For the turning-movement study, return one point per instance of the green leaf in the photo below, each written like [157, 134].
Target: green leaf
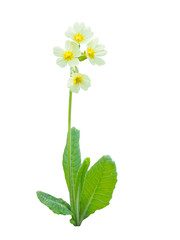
[57, 205]
[81, 175]
[99, 184]
[72, 221]
[75, 157]
[79, 186]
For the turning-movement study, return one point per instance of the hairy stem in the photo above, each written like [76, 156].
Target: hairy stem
[77, 207]
[69, 152]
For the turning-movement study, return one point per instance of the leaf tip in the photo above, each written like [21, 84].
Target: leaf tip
[87, 161]
[75, 129]
[38, 193]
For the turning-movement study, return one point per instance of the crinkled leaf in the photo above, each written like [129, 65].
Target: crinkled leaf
[75, 157]
[79, 186]
[81, 175]
[98, 187]
[57, 205]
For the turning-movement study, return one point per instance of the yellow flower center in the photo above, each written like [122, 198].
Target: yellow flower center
[78, 37]
[90, 52]
[68, 55]
[77, 79]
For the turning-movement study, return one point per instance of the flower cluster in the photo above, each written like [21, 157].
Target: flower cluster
[72, 55]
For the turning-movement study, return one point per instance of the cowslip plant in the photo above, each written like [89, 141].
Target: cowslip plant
[89, 190]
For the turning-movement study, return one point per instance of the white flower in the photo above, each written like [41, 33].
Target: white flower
[94, 50]
[77, 81]
[69, 55]
[79, 33]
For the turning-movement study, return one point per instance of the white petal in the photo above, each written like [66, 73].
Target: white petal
[76, 51]
[86, 39]
[99, 47]
[85, 77]
[73, 46]
[69, 33]
[88, 32]
[73, 62]
[86, 83]
[58, 51]
[70, 82]
[61, 62]
[93, 43]
[75, 88]
[92, 61]
[78, 27]
[99, 61]
[68, 45]
[101, 52]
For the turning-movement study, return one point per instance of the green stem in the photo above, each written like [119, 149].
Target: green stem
[69, 151]
[69, 133]
[77, 208]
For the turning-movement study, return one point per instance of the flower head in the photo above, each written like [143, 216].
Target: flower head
[77, 81]
[68, 56]
[79, 33]
[94, 50]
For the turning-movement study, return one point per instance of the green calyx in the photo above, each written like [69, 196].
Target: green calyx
[83, 56]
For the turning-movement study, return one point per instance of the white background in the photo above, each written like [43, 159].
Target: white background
[131, 112]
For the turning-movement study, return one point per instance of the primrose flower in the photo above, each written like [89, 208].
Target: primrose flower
[94, 50]
[77, 81]
[79, 33]
[68, 56]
